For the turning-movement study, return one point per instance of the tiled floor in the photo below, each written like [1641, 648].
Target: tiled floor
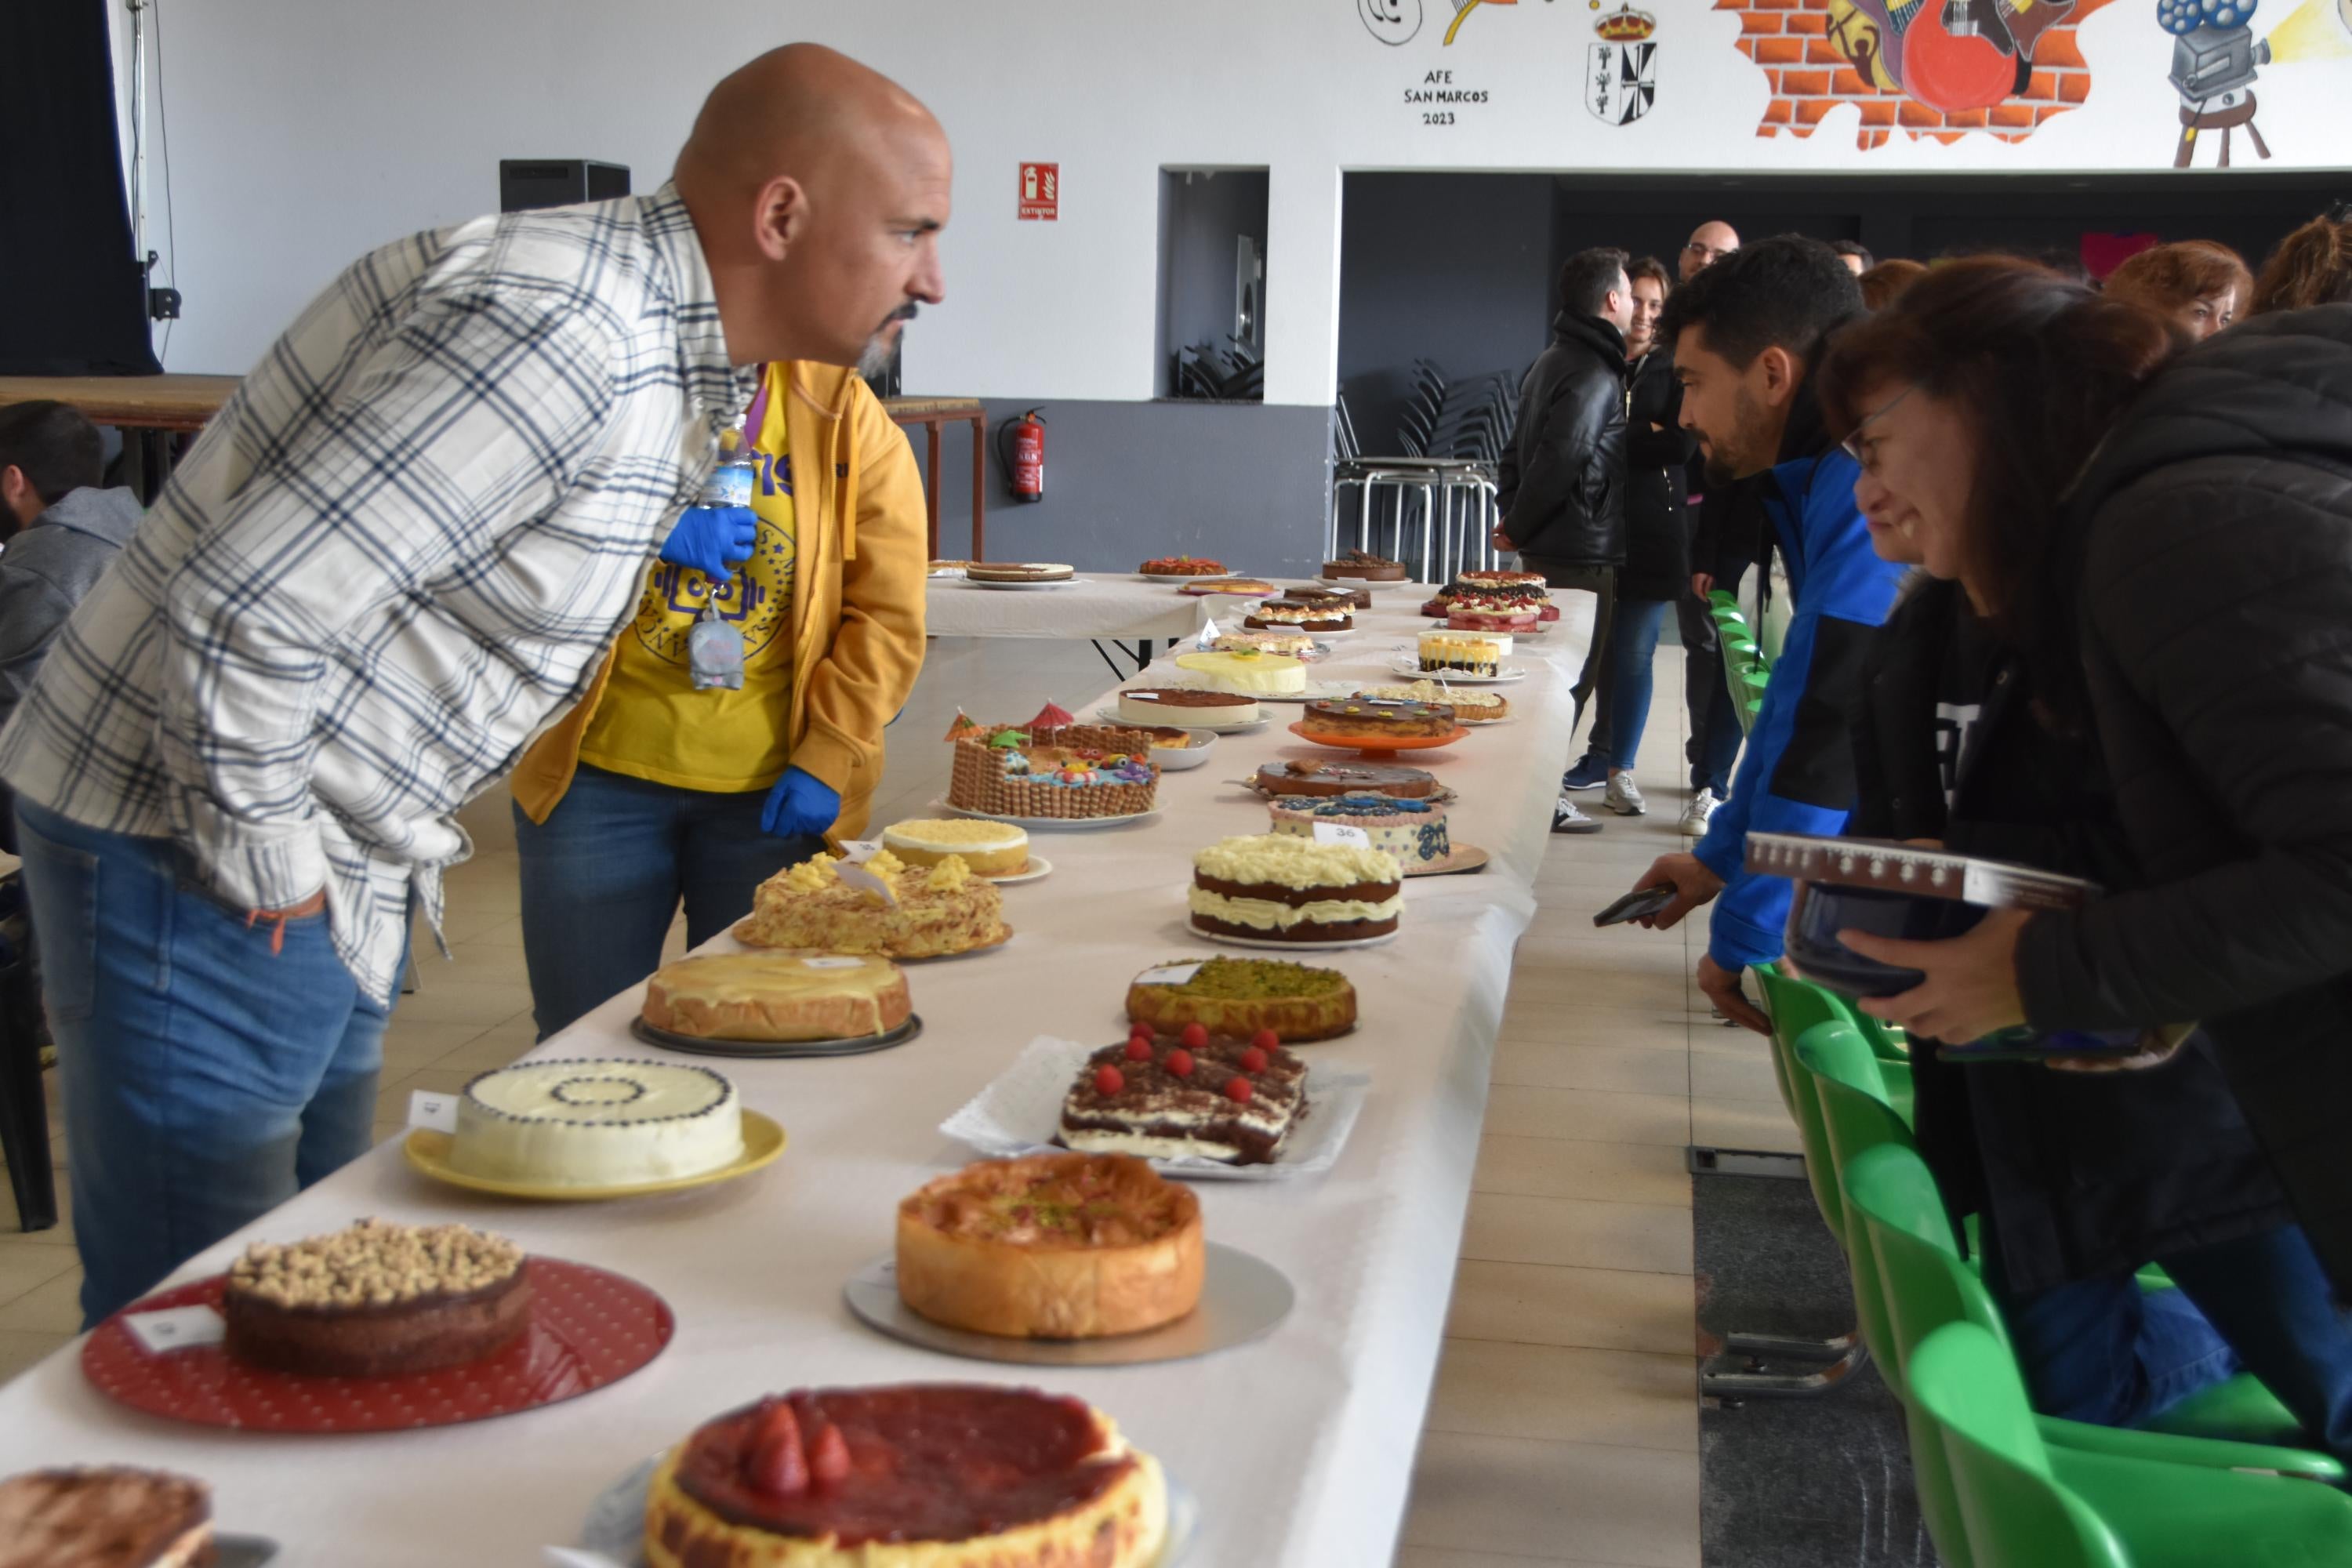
[1563, 1428]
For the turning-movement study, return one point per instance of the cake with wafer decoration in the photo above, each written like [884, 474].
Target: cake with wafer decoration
[1071, 773]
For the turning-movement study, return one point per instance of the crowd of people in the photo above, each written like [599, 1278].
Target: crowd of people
[2069, 572]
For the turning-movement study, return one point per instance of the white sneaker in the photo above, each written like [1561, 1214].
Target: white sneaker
[1695, 815]
[1567, 818]
[1624, 796]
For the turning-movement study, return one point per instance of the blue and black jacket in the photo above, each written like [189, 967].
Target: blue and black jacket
[1797, 773]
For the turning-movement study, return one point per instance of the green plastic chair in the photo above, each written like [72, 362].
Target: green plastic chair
[1916, 1284]
[1797, 1006]
[2022, 1503]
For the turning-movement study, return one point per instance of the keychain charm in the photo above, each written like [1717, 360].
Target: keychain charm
[714, 650]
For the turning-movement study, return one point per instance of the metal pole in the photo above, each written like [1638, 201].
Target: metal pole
[137, 9]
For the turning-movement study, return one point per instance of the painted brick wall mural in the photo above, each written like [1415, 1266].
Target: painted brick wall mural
[1944, 68]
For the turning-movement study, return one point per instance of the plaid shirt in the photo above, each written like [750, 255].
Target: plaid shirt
[401, 550]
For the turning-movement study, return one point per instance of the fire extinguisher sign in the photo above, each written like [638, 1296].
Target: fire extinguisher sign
[1041, 192]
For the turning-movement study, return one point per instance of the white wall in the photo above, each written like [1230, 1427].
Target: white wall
[307, 131]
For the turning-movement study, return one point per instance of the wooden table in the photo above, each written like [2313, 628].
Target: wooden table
[173, 404]
[931, 413]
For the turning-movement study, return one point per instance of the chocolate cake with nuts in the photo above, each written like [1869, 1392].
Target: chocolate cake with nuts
[376, 1299]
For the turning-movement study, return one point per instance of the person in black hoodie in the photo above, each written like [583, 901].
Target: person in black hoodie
[1561, 489]
[1975, 403]
[1657, 550]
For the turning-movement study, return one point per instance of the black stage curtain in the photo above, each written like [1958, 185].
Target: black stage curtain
[72, 301]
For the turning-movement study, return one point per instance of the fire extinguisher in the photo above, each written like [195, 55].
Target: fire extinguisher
[1021, 443]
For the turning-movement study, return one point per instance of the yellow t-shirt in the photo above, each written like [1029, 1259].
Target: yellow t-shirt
[651, 723]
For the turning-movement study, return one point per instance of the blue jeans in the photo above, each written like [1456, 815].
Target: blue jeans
[206, 1080]
[2104, 1351]
[1625, 682]
[602, 876]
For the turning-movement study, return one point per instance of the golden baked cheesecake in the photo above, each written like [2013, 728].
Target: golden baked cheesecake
[907, 1476]
[932, 913]
[990, 848]
[1051, 1247]
[110, 1516]
[1240, 996]
[777, 996]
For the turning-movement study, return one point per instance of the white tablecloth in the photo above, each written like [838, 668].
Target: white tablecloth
[1300, 1447]
[1101, 605]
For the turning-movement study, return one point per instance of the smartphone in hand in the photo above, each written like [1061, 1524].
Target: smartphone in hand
[1634, 905]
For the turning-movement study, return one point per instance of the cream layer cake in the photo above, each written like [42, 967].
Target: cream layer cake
[1270, 674]
[1459, 653]
[597, 1124]
[989, 848]
[1283, 889]
[1157, 1098]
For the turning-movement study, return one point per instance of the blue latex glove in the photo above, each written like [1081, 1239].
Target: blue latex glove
[713, 540]
[799, 804]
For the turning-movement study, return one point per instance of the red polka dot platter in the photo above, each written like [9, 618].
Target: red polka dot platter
[586, 1329]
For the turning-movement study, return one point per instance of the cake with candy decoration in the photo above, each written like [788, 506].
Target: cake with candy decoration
[1368, 720]
[910, 1476]
[1068, 772]
[1313, 775]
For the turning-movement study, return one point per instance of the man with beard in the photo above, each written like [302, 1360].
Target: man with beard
[1745, 334]
[652, 792]
[1714, 743]
[406, 544]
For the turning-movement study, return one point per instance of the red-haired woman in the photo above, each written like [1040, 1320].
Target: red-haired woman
[1975, 403]
[2199, 284]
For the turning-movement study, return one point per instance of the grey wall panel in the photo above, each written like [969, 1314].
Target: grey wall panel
[1247, 483]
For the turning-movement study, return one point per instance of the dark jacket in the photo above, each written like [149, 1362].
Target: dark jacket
[2215, 526]
[1562, 480]
[2078, 1175]
[1657, 547]
[43, 574]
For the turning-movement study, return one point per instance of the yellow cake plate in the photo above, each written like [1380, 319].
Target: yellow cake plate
[428, 1152]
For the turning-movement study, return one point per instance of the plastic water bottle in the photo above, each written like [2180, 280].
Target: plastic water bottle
[736, 479]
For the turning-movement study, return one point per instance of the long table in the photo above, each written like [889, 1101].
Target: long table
[1298, 1447]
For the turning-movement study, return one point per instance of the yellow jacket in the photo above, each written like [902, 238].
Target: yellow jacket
[857, 596]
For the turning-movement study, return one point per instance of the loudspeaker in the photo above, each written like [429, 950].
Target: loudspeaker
[526, 183]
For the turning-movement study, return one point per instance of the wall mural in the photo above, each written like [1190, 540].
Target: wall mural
[1949, 68]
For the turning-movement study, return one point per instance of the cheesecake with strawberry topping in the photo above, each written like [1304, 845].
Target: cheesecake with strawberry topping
[907, 1476]
[1051, 1247]
[1187, 1096]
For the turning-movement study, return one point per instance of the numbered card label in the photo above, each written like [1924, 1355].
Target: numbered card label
[1339, 833]
[1209, 634]
[836, 961]
[859, 877]
[857, 851]
[434, 1112]
[176, 1329]
[1169, 974]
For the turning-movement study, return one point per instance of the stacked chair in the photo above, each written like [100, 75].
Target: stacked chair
[1449, 442]
[2218, 1479]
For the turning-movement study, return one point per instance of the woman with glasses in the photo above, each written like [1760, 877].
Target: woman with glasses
[1974, 405]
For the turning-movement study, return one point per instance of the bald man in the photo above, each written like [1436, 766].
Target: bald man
[651, 793]
[1709, 243]
[406, 544]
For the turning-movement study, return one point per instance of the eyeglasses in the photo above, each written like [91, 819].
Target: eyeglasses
[1853, 444]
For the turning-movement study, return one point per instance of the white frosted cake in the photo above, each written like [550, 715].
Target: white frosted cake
[597, 1124]
[1271, 673]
